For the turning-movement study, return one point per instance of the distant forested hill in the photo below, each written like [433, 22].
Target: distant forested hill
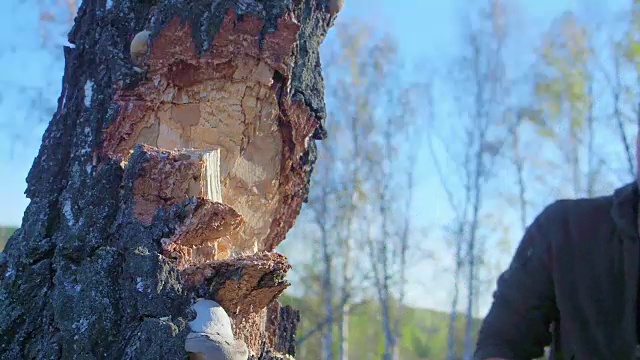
[424, 332]
[5, 232]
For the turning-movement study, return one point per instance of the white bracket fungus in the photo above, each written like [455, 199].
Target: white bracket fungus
[211, 336]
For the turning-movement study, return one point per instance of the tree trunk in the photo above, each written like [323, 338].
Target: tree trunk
[327, 284]
[451, 331]
[126, 228]
[345, 293]
[343, 353]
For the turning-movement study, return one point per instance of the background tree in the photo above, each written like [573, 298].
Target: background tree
[481, 89]
[367, 168]
[563, 93]
[54, 20]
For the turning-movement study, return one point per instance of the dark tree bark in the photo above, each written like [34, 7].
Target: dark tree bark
[125, 228]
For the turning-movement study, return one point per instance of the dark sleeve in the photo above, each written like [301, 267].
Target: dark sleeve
[517, 326]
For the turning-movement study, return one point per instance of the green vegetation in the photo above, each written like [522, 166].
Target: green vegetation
[5, 233]
[424, 332]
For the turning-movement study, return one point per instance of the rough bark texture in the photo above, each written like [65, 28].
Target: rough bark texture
[118, 239]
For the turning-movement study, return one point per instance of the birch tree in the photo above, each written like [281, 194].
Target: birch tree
[391, 104]
[177, 160]
[480, 87]
[324, 217]
[562, 88]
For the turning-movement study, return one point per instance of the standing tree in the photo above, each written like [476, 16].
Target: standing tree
[363, 180]
[480, 90]
[390, 105]
[562, 90]
[177, 160]
[321, 204]
[35, 97]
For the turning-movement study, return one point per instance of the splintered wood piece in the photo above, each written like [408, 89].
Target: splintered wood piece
[210, 182]
[204, 237]
[211, 175]
[209, 222]
[169, 177]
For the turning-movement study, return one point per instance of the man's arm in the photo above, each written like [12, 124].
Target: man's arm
[517, 326]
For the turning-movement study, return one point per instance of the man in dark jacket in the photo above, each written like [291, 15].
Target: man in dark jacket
[571, 285]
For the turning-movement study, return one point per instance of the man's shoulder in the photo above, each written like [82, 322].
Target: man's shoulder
[572, 219]
[568, 217]
[568, 208]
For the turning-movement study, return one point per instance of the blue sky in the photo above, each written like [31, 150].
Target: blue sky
[427, 34]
